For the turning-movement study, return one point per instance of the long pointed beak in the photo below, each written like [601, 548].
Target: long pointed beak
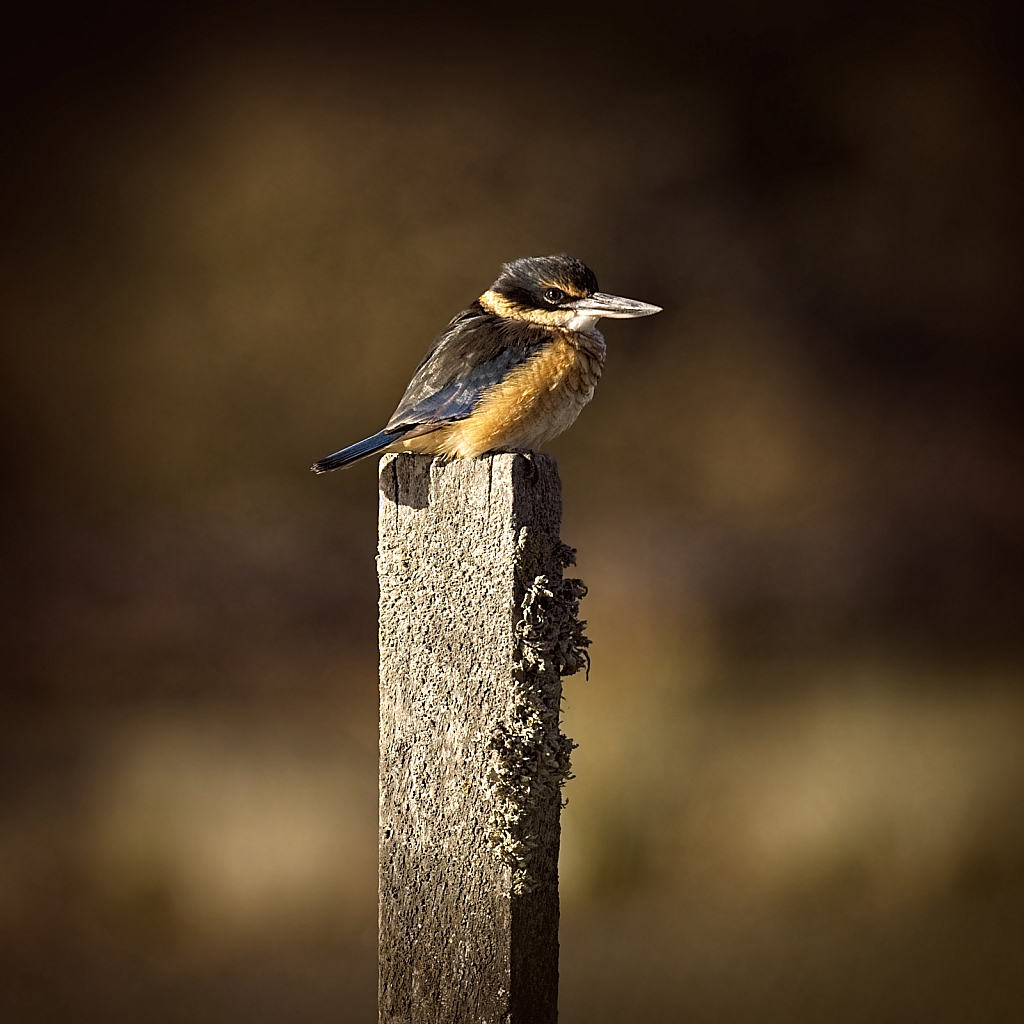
[602, 304]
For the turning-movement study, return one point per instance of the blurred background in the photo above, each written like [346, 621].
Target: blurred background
[228, 235]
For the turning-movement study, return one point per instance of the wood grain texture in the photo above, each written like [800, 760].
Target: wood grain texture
[475, 623]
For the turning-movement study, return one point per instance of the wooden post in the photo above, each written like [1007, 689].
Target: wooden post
[477, 627]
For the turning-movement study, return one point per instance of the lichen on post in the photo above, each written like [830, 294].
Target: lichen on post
[477, 628]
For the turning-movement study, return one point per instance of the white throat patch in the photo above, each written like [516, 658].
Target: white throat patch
[586, 323]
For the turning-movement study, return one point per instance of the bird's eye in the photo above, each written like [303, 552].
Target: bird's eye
[554, 295]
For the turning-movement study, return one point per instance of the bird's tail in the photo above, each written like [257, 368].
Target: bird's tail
[359, 450]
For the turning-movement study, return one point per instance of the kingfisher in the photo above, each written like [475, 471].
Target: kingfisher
[510, 372]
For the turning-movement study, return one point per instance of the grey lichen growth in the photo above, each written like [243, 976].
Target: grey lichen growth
[529, 754]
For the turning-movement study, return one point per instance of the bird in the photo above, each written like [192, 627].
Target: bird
[510, 372]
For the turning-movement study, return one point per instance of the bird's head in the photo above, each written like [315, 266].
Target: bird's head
[556, 291]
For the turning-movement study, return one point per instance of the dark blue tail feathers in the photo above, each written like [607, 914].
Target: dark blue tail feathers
[360, 450]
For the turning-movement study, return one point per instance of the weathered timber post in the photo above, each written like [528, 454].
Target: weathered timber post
[477, 627]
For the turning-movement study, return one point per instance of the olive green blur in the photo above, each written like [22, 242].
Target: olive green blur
[227, 239]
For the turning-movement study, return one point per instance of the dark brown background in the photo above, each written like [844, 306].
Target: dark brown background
[227, 239]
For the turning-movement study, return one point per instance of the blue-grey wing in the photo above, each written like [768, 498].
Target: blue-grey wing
[474, 352]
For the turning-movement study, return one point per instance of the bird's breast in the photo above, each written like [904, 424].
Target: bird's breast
[536, 401]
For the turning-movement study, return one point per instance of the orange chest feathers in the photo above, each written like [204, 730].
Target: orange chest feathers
[537, 401]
